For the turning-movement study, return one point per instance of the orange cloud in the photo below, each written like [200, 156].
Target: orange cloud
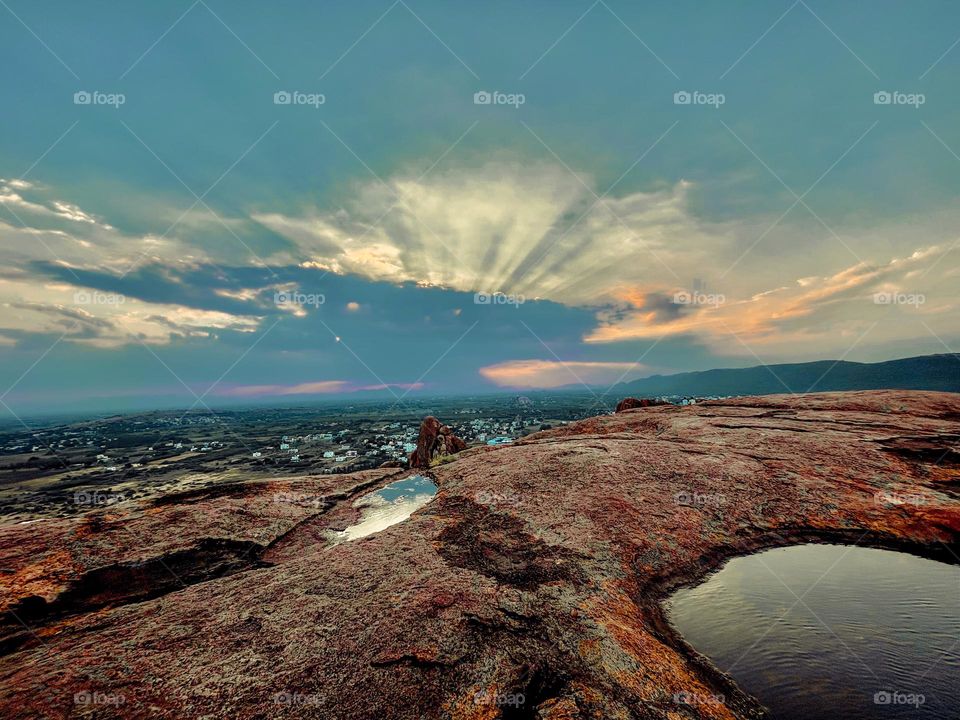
[825, 312]
[556, 373]
[322, 387]
[309, 388]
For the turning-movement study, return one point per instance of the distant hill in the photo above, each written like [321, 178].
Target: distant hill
[927, 372]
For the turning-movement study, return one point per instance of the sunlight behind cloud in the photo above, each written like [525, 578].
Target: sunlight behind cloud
[554, 373]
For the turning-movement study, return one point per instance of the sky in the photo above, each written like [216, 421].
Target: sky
[211, 202]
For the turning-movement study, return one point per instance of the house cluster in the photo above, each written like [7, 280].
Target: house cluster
[395, 441]
[336, 446]
[495, 432]
[343, 447]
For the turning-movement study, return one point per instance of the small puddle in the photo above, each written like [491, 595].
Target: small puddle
[388, 506]
[875, 634]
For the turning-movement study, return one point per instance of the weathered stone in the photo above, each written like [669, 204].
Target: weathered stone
[631, 402]
[435, 440]
[537, 572]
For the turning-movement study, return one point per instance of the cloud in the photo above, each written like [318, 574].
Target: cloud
[822, 314]
[531, 229]
[104, 319]
[527, 229]
[17, 184]
[539, 231]
[10, 194]
[557, 373]
[322, 387]
[307, 388]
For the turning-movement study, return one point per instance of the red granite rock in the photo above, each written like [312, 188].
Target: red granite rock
[435, 440]
[530, 587]
[629, 403]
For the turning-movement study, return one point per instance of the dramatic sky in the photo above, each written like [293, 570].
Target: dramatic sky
[171, 231]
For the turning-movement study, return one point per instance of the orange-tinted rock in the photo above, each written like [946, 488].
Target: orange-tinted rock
[436, 440]
[632, 402]
[468, 606]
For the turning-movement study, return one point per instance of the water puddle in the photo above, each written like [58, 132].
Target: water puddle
[388, 506]
[825, 631]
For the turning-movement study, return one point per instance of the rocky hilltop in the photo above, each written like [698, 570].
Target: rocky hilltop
[529, 588]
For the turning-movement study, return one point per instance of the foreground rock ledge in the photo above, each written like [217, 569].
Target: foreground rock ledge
[535, 574]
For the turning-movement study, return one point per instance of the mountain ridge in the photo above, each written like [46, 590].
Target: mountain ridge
[940, 372]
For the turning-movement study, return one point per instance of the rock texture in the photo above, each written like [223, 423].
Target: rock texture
[529, 588]
[632, 402]
[435, 440]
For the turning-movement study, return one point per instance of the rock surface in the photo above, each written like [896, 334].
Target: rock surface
[631, 402]
[529, 588]
[435, 440]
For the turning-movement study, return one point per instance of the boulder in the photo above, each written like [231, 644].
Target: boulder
[435, 439]
[632, 402]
